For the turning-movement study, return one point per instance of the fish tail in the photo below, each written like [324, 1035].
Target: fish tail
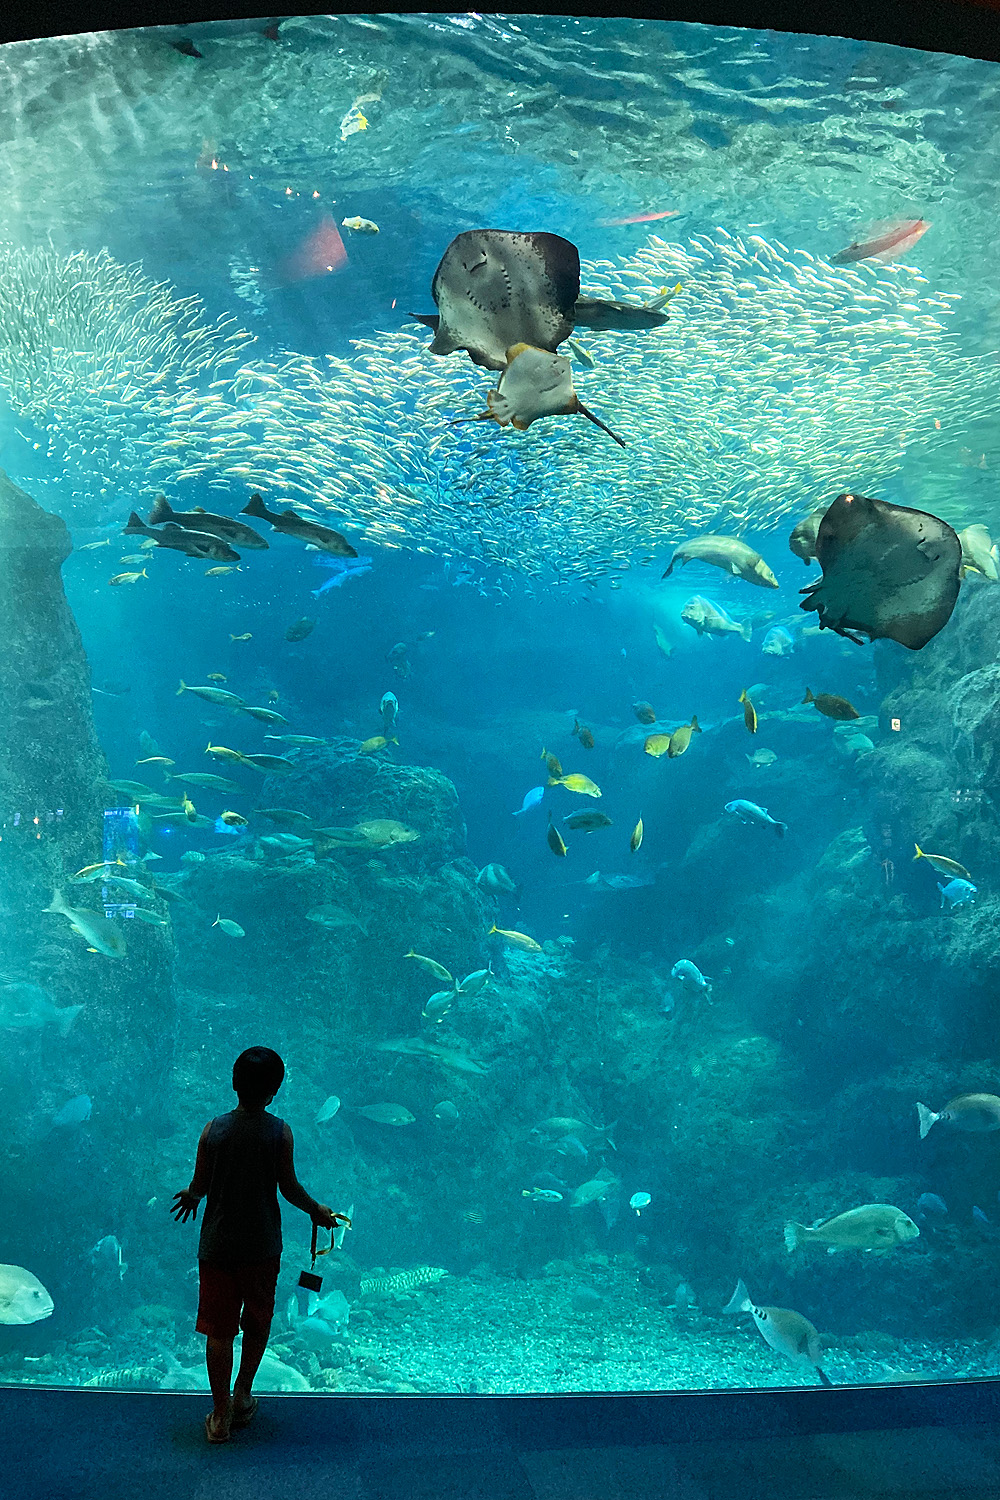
[809, 696]
[926, 1118]
[795, 1235]
[824, 1379]
[57, 904]
[598, 423]
[256, 507]
[743, 696]
[161, 511]
[492, 930]
[739, 1301]
[746, 630]
[555, 781]
[695, 726]
[780, 829]
[66, 1017]
[135, 524]
[920, 853]
[182, 689]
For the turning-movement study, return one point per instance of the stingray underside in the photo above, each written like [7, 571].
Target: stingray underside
[888, 572]
[495, 288]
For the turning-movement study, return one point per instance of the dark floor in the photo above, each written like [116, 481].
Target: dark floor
[104, 1445]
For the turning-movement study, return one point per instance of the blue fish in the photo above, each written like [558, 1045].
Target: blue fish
[531, 799]
[74, 1112]
[340, 569]
[930, 1203]
[957, 893]
[749, 812]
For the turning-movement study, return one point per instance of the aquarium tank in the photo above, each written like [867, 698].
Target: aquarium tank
[500, 606]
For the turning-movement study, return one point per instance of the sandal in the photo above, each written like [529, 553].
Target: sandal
[245, 1415]
[212, 1431]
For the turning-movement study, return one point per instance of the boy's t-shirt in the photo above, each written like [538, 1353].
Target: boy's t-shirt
[242, 1220]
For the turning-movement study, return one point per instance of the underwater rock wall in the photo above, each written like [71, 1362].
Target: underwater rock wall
[76, 1178]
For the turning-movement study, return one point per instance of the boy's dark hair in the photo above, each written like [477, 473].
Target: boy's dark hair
[257, 1074]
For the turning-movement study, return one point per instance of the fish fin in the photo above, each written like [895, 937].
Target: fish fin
[920, 853]
[499, 407]
[186, 48]
[57, 903]
[520, 426]
[66, 1017]
[270, 32]
[135, 525]
[739, 1301]
[780, 829]
[926, 1118]
[161, 511]
[695, 726]
[746, 631]
[824, 1379]
[256, 507]
[585, 412]
[670, 568]
[430, 320]
[809, 696]
[795, 1235]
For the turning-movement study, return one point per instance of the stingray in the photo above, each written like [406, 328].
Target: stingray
[496, 288]
[535, 383]
[889, 572]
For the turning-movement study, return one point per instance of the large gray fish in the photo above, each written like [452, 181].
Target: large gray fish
[802, 538]
[888, 572]
[225, 527]
[179, 539]
[727, 553]
[290, 523]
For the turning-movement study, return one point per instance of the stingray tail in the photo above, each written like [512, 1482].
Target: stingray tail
[598, 423]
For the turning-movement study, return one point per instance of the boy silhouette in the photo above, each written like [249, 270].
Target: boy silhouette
[244, 1158]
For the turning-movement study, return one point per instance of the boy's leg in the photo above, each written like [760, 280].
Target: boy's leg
[219, 1358]
[254, 1345]
[257, 1283]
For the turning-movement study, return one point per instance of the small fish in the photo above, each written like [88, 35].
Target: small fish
[777, 642]
[891, 240]
[542, 1195]
[635, 842]
[279, 764]
[216, 676]
[552, 763]
[973, 1112]
[663, 642]
[357, 224]
[127, 578]
[575, 782]
[98, 931]
[691, 979]
[273, 696]
[156, 760]
[212, 695]
[439, 1004]
[208, 780]
[334, 918]
[327, 1110]
[286, 817]
[583, 734]
[431, 965]
[376, 743]
[300, 629]
[644, 712]
[531, 799]
[957, 893]
[749, 812]
[656, 745]
[389, 709]
[943, 864]
[263, 715]
[219, 573]
[89, 546]
[495, 878]
[762, 758]
[516, 939]
[446, 1113]
[132, 559]
[222, 752]
[787, 1332]
[474, 984]
[554, 839]
[706, 618]
[931, 1204]
[587, 821]
[296, 739]
[832, 706]
[107, 1256]
[233, 819]
[749, 712]
[681, 738]
[639, 1201]
[246, 636]
[878, 1227]
[385, 1114]
[74, 1112]
[230, 928]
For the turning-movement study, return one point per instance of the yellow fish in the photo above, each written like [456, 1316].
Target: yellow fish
[233, 819]
[518, 939]
[681, 738]
[377, 742]
[127, 578]
[555, 840]
[575, 782]
[943, 864]
[657, 745]
[749, 712]
[635, 842]
[221, 753]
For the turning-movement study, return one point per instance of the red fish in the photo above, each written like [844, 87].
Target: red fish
[665, 213]
[889, 241]
[319, 253]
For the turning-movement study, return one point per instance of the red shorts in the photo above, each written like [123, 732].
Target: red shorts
[235, 1297]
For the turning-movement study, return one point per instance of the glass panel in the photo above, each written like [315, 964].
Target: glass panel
[626, 937]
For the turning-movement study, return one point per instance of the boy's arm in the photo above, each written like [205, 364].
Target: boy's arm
[292, 1190]
[186, 1202]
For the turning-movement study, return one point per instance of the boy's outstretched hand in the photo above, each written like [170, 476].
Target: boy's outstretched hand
[184, 1206]
[327, 1219]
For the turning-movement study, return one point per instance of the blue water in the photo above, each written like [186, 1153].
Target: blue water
[522, 575]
